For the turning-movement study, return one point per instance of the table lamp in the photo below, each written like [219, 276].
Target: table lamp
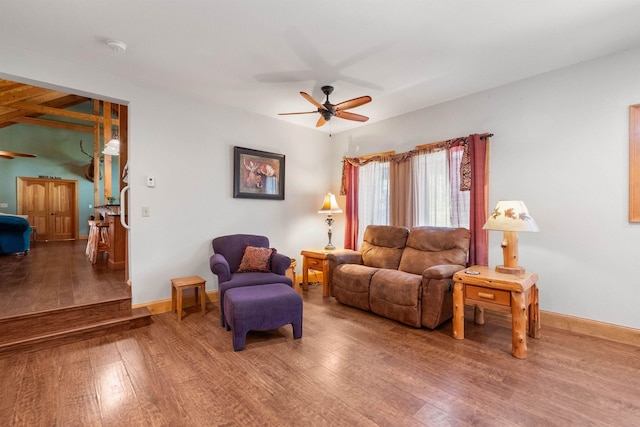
[510, 216]
[329, 207]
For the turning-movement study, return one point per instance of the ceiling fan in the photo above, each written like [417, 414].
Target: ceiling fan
[328, 110]
[11, 155]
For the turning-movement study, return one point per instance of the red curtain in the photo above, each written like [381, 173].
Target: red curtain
[479, 247]
[350, 189]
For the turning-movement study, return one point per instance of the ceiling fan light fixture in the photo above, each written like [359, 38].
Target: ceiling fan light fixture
[116, 45]
[329, 110]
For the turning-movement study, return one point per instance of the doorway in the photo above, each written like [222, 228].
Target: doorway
[55, 205]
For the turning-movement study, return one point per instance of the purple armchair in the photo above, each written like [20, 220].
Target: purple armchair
[224, 263]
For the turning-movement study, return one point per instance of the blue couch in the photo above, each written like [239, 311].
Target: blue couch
[15, 233]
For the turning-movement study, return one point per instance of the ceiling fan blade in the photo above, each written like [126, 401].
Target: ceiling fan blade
[321, 121]
[12, 154]
[313, 101]
[4, 156]
[351, 116]
[306, 112]
[352, 103]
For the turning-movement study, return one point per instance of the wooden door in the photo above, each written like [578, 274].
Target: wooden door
[62, 202]
[33, 201]
[51, 205]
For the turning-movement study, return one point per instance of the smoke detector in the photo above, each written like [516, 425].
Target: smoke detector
[116, 45]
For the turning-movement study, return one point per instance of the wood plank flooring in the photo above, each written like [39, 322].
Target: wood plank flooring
[351, 368]
[56, 275]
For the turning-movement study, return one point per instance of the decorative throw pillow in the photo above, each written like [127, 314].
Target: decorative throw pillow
[256, 259]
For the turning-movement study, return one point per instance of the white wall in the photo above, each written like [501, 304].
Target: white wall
[561, 144]
[188, 147]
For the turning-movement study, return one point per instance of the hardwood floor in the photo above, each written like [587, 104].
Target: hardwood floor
[55, 275]
[350, 368]
[54, 295]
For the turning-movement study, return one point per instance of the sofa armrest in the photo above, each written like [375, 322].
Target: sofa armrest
[445, 271]
[346, 256]
[280, 263]
[437, 294]
[220, 267]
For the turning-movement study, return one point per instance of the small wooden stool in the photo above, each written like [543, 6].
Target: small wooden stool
[98, 241]
[196, 283]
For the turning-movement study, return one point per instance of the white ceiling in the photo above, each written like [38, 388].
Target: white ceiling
[257, 55]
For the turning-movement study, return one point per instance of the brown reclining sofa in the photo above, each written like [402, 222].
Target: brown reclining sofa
[404, 275]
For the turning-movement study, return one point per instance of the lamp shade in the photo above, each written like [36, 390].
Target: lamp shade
[330, 205]
[112, 148]
[510, 215]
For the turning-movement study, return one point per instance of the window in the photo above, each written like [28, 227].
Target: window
[373, 195]
[421, 187]
[438, 199]
[434, 194]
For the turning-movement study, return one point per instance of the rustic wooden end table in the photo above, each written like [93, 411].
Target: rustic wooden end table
[291, 274]
[316, 260]
[179, 284]
[489, 289]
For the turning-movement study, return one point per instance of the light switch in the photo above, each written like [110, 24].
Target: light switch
[145, 211]
[151, 181]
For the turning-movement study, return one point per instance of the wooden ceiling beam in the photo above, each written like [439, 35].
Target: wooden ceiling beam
[67, 101]
[49, 98]
[53, 124]
[27, 107]
[21, 93]
[23, 103]
[8, 85]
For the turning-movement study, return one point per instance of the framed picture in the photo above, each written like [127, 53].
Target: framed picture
[257, 174]
[634, 163]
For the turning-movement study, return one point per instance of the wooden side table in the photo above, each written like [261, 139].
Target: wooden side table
[291, 274]
[503, 292]
[196, 283]
[315, 260]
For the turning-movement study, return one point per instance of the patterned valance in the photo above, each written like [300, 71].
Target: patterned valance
[465, 167]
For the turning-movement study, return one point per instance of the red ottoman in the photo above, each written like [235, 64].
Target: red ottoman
[261, 308]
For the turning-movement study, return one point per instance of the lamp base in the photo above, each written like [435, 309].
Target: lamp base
[510, 270]
[330, 247]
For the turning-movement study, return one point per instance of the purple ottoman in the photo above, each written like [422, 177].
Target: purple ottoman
[261, 308]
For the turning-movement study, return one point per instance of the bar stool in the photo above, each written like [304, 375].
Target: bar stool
[34, 234]
[98, 240]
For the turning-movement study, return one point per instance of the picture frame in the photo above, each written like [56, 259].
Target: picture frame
[634, 163]
[258, 174]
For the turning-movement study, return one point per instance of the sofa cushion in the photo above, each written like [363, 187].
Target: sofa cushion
[256, 259]
[231, 247]
[429, 246]
[396, 295]
[351, 284]
[382, 246]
